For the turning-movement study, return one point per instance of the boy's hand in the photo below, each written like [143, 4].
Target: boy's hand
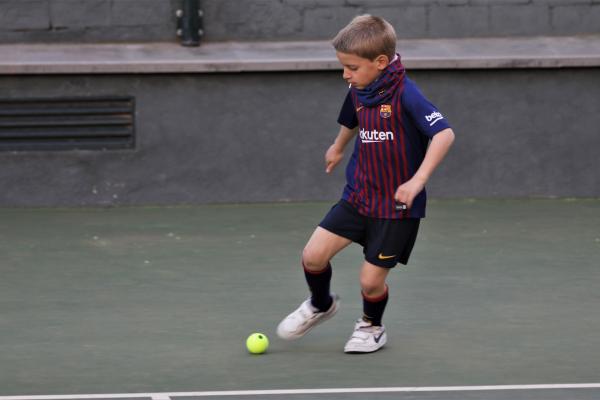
[333, 156]
[407, 192]
[438, 148]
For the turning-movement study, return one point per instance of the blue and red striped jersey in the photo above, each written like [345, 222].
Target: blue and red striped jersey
[389, 148]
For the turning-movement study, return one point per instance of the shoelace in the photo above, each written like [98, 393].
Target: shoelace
[305, 313]
[363, 332]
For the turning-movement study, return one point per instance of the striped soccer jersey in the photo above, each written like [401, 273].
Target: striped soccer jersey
[389, 148]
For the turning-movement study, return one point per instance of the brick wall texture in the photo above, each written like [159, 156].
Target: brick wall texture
[240, 20]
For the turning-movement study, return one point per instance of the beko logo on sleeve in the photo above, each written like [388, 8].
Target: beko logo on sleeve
[434, 117]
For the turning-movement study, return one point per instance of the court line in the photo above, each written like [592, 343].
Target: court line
[167, 395]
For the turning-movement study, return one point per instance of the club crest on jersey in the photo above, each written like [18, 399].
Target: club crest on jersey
[385, 111]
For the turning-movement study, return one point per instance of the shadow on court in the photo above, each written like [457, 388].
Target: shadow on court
[146, 300]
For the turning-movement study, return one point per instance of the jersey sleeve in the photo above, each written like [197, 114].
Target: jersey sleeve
[427, 118]
[347, 115]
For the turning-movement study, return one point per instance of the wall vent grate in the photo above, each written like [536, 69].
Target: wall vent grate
[67, 124]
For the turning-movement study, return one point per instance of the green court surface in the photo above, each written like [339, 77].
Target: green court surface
[160, 300]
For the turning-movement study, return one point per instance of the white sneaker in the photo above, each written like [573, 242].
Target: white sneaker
[306, 317]
[366, 338]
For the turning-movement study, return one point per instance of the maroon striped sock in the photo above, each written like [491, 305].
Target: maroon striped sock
[373, 307]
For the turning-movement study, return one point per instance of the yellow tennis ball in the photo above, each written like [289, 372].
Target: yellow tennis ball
[257, 343]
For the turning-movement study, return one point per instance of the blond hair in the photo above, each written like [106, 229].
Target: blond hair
[368, 37]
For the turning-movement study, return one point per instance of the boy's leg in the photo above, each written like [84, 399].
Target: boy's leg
[321, 247]
[374, 292]
[388, 242]
[369, 333]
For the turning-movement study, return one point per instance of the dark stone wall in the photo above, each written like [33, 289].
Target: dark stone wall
[268, 20]
[51, 21]
[257, 137]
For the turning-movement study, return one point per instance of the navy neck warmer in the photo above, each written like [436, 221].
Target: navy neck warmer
[382, 89]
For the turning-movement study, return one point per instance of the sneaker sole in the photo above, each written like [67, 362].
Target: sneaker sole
[330, 313]
[358, 350]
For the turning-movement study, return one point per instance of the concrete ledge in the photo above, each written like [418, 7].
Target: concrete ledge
[476, 53]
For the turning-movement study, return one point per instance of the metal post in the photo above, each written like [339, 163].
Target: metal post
[189, 23]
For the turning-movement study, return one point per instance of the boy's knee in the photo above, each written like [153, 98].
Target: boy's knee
[372, 287]
[313, 260]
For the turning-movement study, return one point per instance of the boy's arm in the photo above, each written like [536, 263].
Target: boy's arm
[335, 153]
[439, 146]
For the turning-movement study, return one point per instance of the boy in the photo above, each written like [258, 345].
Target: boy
[384, 197]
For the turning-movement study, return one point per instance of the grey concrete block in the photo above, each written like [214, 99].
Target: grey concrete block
[79, 14]
[576, 19]
[141, 12]
[561, 2]
[498, 2]
[458, 21]
[390, 3]
[116, 34]
[519, 20]
[443, 3]
[328, 21]
[24, 15]
[304, 4]
[408, 21]
[264, 20]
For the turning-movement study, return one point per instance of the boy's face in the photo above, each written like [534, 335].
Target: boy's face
[360, 72]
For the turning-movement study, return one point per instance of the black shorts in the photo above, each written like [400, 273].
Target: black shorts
[385, 241]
